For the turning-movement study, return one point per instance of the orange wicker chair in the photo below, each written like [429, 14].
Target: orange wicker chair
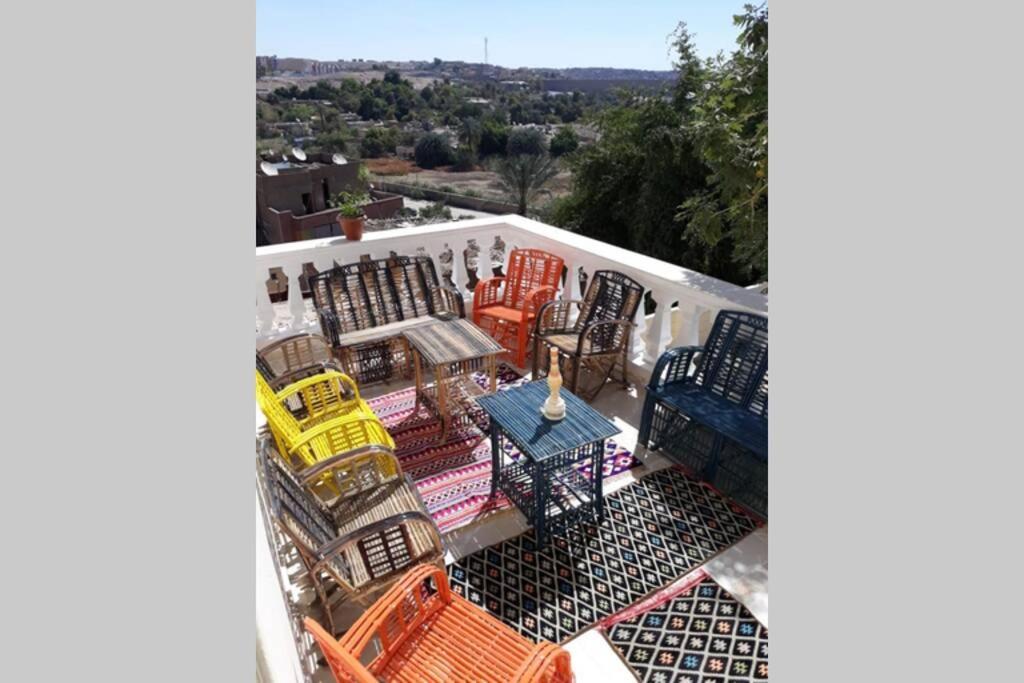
[428, 636]
[507, 313]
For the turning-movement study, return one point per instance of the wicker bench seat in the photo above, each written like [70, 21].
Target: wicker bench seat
[365, 307]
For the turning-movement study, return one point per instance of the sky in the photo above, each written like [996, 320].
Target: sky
[552, 33]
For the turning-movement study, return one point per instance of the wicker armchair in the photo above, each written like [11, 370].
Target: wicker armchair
[506, 307]
[364, 307]
[366, 541]
[427, 634]
[597, 340]
[328, 424]
[295, 357]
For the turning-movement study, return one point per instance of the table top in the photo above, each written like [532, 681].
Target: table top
[517, 411]
[451, 341]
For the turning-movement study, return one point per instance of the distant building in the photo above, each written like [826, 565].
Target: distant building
[292, 204]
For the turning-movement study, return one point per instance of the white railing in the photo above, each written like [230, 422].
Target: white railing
[687, 300]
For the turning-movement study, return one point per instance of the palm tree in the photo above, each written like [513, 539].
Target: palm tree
[523, 177]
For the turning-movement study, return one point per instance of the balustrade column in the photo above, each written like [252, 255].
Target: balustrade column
[264, 309]
[689, 331]
[296, 306]
[640, 319]
[660, 333]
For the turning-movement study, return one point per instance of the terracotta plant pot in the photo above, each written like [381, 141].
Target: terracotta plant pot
[352, 227]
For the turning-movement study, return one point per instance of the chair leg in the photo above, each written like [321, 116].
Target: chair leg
[645, 420]
[536, 355]
[521, 338]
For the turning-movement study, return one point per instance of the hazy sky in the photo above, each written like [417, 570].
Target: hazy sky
[532, 33]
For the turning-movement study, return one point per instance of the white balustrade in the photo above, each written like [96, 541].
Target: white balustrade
[696, 293]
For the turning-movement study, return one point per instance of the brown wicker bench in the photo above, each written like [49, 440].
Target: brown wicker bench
[365, 307]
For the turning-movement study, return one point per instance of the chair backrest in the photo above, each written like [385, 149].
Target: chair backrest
[734, 364]
[527, 270]
[376, 292]
[296, 352]
[294, 509]
[610, 296]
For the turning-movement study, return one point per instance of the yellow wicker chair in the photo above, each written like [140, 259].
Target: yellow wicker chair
[329, 426]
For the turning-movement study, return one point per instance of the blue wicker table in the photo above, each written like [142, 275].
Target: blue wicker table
[543, 483]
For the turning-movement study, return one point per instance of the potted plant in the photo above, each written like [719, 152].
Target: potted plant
[351, 215]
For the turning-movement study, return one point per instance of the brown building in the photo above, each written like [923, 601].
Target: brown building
[292, 203]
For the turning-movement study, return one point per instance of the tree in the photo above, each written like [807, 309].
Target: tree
[433, 150]
[377, 142]
[523, 140]
[565, 141]
[684, 178]
[493, 137]
[729, 127]
[523, 177]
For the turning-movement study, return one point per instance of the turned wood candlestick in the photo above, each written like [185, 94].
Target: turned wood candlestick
[554, 406]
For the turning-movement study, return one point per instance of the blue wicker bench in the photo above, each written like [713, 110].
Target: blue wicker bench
[707, 408]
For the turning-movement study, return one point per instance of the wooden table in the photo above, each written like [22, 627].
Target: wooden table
[543, 483]
[452, 350]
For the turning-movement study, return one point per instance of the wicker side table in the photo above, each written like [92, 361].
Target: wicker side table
[450, 351]
[543, 484]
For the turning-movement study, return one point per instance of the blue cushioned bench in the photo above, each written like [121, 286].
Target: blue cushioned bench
[719, 390]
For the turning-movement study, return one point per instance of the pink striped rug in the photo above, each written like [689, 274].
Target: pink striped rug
[454, 478]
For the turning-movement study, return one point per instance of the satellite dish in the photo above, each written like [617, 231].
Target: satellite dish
[268, 168]
[339, 160]
[298, 154]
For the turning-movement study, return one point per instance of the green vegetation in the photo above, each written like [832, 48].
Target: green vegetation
[565, 141]
[433, 150]
[349, 203]
[377, 142]
[685, 178]
[525, 141]
[436, 210]
[523, 177]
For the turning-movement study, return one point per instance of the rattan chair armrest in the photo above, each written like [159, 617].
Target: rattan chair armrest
[451, 298]
[486, 291]
[559, 310]
[589, 330]
[537, 297]
[352, 667]
[366, 627]
[329, 324]
[285, 379]
[328, 425]
[311, 475]
[303, 384]
[673, 367]
[547, 662]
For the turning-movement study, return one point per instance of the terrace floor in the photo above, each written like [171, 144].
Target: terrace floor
[741, 569]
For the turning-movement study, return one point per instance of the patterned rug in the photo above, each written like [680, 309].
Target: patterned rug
[454, 478]
[655, 531]
[699, 635]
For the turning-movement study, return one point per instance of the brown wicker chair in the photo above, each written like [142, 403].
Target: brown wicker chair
[364, 307]
[295, 357]
[597, 340]
[364, 541]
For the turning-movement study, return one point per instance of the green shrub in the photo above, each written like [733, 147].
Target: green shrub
[377, 142]
[565, 141]
[433, 150]
[436, 210]
[465, 159]
[493, 138]
[525, 141]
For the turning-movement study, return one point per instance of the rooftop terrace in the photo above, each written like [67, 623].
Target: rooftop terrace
[464, 252]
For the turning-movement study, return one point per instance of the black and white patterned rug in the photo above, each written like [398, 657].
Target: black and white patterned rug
[702, 635]
[655, 531]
